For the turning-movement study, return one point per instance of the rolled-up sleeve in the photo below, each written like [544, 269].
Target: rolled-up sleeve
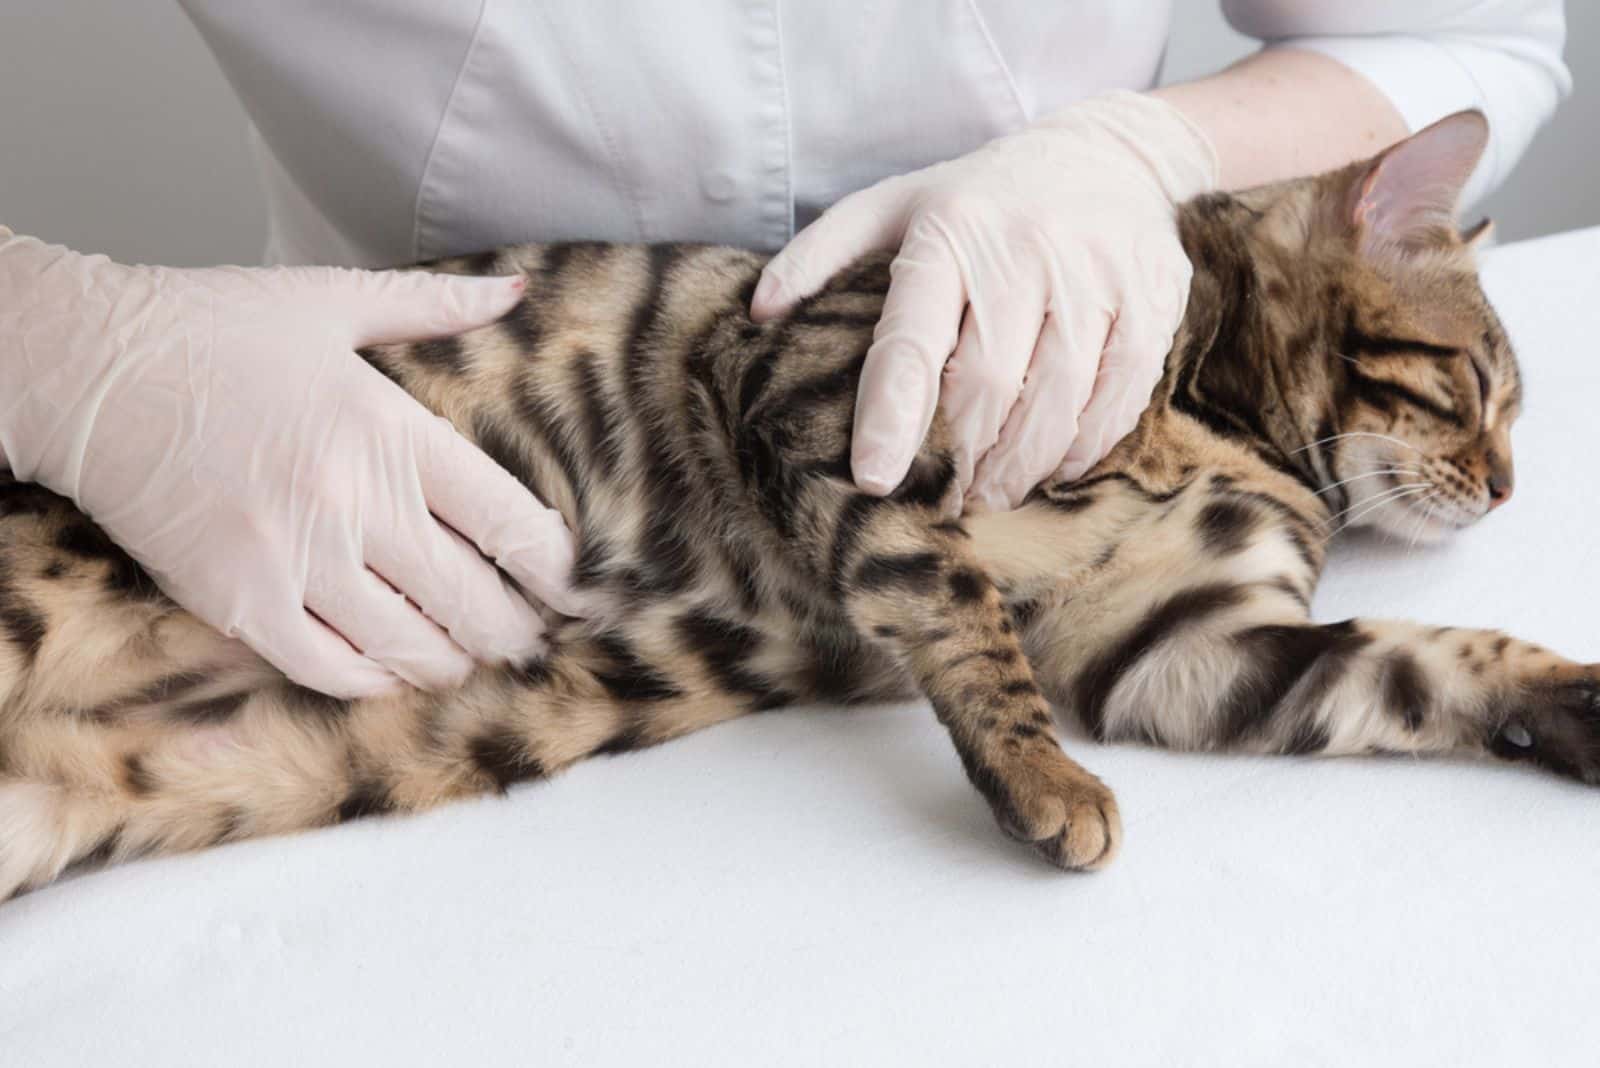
[1434, 57]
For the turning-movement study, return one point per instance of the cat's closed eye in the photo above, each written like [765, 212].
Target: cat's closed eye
[1483, 383]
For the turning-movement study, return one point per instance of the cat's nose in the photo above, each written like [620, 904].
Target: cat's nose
[1501, 482]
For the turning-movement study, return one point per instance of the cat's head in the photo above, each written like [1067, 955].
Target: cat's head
[1416, 386]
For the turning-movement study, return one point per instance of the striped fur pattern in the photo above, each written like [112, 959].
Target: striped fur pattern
[702, 461]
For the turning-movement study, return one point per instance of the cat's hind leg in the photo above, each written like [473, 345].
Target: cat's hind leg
[1365, 686]
[127, 727]
[282, 759]
[1188, 628]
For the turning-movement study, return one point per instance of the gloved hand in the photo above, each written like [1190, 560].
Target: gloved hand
[1059, 247]
[218, 426]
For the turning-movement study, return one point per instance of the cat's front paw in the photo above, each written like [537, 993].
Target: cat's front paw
[1554, 721]
[1067, 814]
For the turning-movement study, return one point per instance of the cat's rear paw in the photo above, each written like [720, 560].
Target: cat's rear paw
[1067, 814]
[1555, 722]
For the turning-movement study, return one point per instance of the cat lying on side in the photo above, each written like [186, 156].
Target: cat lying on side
[1337, 364]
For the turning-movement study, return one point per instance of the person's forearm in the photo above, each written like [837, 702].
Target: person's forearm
[1285, 113]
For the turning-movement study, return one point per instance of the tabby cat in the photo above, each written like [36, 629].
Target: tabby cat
[1337, 363]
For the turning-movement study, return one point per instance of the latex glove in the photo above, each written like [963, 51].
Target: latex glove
[1042, 273]
[218, 426]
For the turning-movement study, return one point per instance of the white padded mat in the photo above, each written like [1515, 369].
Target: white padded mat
[821, 887]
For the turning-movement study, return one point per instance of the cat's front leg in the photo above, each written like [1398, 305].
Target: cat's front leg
[914, 586]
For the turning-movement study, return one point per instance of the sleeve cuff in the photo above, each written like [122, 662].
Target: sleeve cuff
[1428, 78]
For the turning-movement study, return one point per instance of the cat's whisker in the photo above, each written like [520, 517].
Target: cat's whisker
[1356, 519]
[1377, 501]
[1374, 505]
[1357, 434]
[1427, 506]
[1428, 513]
[1374, 496]
[1410, 472]
[1416, 527]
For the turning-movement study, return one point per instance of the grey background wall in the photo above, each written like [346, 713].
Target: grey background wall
[118, 134]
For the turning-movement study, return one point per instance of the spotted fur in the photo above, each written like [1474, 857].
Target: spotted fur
[702, 461]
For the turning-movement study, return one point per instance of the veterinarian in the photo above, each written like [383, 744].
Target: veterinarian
[219, 426]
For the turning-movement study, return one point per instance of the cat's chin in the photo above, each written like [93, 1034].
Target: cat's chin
[1419, 525]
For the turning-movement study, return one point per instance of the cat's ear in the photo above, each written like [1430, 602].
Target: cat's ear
[1406, 198]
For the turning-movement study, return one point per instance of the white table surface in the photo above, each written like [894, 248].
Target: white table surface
[822, 887]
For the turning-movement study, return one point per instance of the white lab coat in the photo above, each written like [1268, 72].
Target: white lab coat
[393, 130]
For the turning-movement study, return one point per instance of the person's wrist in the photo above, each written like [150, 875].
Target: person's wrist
[58, 328]
[18, 277]
[1176, 152]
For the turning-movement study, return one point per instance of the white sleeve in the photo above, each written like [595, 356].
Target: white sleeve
[1433, 57]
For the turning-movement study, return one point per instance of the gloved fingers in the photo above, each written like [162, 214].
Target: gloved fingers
[412, 305]
[457, 588]
[873, 218]
[388, 629]
[988, 373]
[900, 380]
[312, 654]
[500, 517]
[1045, 421]
[1130, 367]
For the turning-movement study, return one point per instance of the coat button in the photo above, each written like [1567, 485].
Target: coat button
[718, 186]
